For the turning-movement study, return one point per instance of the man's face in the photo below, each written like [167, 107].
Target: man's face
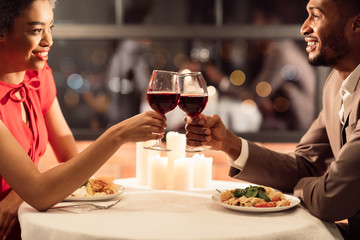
[324, 31]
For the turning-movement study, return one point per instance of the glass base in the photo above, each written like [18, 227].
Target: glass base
[197, 149]
[158, 148]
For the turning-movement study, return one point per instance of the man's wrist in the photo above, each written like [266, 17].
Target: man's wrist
[232, 145]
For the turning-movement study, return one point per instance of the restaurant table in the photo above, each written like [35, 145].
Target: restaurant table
[143, 213]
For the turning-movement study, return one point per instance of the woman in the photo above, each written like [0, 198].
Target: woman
[30, 117]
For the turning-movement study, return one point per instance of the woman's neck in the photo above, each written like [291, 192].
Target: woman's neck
[13, 77]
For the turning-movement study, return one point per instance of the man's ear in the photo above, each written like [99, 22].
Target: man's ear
[356, 23]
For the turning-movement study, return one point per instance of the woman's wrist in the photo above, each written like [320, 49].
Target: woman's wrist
[115, 134]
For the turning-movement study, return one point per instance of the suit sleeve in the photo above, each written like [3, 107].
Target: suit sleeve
[284, 170]
[334, 196]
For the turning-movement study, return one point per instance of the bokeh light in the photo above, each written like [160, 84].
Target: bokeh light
[237, 77]
[211, 91]
[98, 57]
[71, 99]
[281, 104]
[249, 106]
[263, 89]
[159, 60]
[75, 81]
[114, 84]
[288, 72]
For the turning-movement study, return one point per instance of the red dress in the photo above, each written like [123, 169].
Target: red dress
[37, 92]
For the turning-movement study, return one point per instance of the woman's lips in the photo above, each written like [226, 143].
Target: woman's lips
[41, 54]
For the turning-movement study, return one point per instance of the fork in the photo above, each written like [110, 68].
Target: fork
[87, 205]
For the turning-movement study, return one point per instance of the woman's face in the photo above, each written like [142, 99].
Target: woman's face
[27, 43]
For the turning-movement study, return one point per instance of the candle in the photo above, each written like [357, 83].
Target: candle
[183, 174]
[202, 171]
[177, 143]
[142, 156]
[157, 172]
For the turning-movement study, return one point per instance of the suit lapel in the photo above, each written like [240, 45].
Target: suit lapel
[333, 104]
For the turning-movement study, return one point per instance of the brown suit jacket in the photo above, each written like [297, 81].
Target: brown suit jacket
[323, 171]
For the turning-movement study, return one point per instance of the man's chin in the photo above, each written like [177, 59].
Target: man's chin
[319, 61]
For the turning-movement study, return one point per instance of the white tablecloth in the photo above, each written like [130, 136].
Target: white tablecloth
[168, 214]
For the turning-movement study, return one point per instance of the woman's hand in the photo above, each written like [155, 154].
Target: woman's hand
[142, 127]
[8, 214]
[205, 130]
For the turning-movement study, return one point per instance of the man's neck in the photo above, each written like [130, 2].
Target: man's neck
[346, 68]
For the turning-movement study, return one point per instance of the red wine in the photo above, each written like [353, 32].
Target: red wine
[193, 105]
[163, 102]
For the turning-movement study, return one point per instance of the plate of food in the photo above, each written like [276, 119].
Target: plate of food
[255, 199]
[97, 189]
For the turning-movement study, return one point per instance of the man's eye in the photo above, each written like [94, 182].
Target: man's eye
[314, 16]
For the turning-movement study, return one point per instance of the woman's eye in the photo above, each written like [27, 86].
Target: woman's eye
[37, 30]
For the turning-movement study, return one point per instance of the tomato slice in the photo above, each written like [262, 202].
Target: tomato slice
[264, 204]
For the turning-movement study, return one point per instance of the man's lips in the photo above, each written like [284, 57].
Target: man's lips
[41, 54]
[312, 43]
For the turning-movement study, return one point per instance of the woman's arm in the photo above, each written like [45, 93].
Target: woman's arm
[60, 136]
[43, 190]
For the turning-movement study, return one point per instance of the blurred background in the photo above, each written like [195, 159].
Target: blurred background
[250, 52]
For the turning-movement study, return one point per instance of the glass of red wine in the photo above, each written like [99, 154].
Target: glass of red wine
[163, 96]
[193, 98]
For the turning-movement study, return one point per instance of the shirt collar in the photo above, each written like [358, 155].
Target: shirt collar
[350, 83]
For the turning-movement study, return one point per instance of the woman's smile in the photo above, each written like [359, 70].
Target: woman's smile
[43, 55]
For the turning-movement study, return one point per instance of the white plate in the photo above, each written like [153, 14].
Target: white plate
[95, 198]
[294, 201]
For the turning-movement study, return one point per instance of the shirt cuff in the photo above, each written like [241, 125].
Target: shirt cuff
[240, 162]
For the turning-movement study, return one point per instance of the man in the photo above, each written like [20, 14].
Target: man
[324, 170]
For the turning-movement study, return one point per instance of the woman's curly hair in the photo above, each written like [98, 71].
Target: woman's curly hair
[11, 9]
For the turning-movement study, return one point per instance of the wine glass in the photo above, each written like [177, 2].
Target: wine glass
[193, 98]
[163, 96]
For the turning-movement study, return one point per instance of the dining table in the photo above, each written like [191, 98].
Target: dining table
[144, 213]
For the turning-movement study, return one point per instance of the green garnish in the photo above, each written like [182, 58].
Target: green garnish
[84, 185]
[252, 191]
[238, 192]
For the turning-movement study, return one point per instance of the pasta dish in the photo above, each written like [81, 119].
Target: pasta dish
[254, 196]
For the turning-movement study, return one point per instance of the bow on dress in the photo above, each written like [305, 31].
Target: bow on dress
[23, 88]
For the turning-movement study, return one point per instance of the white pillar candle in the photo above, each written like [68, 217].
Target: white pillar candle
[176, 142]
[157, 175]
[142, 156]
[202, 171]
[183, 174]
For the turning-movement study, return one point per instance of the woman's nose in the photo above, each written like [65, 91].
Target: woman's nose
[47, 39]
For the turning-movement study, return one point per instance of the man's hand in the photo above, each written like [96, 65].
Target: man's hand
[205, 130]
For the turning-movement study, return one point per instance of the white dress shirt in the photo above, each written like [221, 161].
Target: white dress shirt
[346, 90]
